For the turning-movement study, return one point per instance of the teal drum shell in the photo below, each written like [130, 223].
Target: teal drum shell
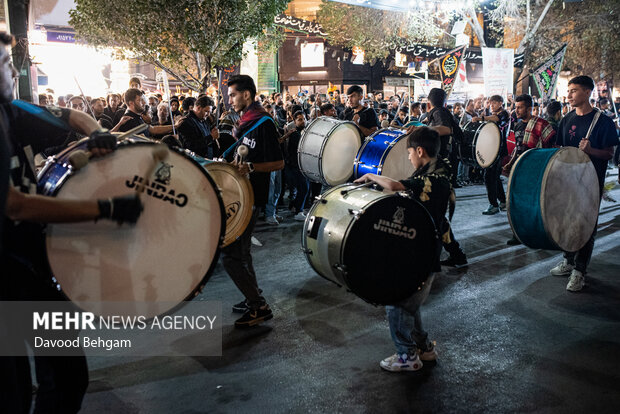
[553, 198]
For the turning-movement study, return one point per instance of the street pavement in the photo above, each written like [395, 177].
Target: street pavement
[510, 337]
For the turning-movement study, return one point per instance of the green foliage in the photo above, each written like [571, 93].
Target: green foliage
[188, 38]
[378, 32]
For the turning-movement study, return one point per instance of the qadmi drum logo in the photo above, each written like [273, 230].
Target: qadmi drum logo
[395, 226]
[158, 188]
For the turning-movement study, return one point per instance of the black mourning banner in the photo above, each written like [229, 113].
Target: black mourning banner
[299, 25]
[471, 54]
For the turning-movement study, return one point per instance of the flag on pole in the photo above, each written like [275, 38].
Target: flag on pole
[448, 67]
[546, 75]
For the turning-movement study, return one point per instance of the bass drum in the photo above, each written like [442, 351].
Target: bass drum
[162, 261]
[327, 150]
[553, 198]
[237, 195]
[481, 144]
[379, 245]
[384, 153]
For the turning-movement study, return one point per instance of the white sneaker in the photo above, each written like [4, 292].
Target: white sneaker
[255, 242]
[576, 281]
[562, 269]
[272, 220]
[301, 216]
[396, 363]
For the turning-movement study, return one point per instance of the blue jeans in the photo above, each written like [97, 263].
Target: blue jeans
[406, 322]
[275, 186]
[463, 172]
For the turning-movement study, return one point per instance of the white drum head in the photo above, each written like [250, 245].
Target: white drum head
[339, 153]
[488, 144]
[570, 198]
[165, 257]
[396, 164]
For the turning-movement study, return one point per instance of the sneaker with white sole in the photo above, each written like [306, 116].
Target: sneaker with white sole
[430, 354]
[562, 269]
[404, 362]
[576, 281]
[301, 216]
[272, 221]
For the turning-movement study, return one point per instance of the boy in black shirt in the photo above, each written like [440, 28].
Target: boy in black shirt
[365, 118]
[298, 180]
[599, 146]
[430, 184]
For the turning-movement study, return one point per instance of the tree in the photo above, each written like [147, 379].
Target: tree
[186, 38]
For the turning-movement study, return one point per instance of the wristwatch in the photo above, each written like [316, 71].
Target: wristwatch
[250, 167]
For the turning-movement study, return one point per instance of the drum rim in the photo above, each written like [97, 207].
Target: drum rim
[499, 149]
[320, 157]
[203, 281]
[508, 194]
[371, 138]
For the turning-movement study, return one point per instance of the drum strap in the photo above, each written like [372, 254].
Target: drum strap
[594, 121]
[240, 140]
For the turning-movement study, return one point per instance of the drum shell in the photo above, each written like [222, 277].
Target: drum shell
[547, 210]
[384, 153]
[312, 155]
[468, 149]
[332, 233]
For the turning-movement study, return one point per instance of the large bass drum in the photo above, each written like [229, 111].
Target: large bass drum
[380, 245]
[384, 153]
[165, 259]
[553, 198]
[481, 144]
[327, 150]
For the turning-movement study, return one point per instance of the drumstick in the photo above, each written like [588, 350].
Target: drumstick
[242, 152]
[159, 153]
[132, 131]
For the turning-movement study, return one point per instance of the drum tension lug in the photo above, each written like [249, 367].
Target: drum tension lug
[306, 251]
[341, 268]
[356, 213]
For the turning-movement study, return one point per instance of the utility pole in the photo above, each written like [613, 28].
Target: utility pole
[17, 22]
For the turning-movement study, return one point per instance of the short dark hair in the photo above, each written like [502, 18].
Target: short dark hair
[204, 101]
[527, 99]
[383, 112]
[584, 81]
[426, 138]
[188, 103]
[437, 97]
[243, 83]
[354, 89]
[135, 80]
[496, 98]
[326, 107]
[415, 105]
[94, 101]
[553, 108]
[423, 106]
[6, 39]
[603, 101]
[297, 113]
[295, 108]
[404, 109]
[131, 94]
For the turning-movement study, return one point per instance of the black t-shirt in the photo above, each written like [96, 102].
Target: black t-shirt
[195, 135]
[441, 117]
[105, 121]
[136, 120]
[114, 115]
[503, 124]
[263, 146]
[573, 128]
[291, 150]
[368, 117]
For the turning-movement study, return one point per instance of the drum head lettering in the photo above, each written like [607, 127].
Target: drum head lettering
[487, 144]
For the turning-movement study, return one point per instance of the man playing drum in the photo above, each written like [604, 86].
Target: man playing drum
[530, 132]
[27, 129]
[492, 181]
[572, 131]
[430, 184]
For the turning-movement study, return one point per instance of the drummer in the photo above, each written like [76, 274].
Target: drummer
[365, 118]
[430, 184]
[572, 132]
[492, 181]
[27, 130]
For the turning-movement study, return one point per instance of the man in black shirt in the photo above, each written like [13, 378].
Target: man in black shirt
[441, 121]
[492, 180]
[599, 146]
[113, 109]
[98, 110]
[133, 115]
[195, 132]
[365, 118]
[257, 131]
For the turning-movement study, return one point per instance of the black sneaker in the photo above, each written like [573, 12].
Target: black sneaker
[254, 317]
[241, 307]
[513, 241]
[455, 262]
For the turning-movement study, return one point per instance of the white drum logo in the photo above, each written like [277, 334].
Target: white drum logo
[395, 226]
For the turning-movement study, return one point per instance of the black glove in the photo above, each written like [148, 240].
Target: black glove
[121, 209]
[101, 139]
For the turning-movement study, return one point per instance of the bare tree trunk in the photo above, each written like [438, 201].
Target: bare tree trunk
[529, 35]
[475, 25]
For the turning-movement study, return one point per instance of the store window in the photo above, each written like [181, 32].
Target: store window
[312, 55]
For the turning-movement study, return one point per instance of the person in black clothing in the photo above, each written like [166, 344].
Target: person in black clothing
[492, 180]
[599, 146]
[113, 109]
[28, 129]
[441, 121]
[195, 132]
[174, 107]
[365, 118]
[98, 110]
[264, 156]
[299, 182]
[133, 118]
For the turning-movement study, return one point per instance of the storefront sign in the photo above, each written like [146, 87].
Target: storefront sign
[61, 37]
[299, 25]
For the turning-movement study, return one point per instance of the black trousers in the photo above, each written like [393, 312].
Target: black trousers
[62, 381]
[237, 261]
[493, 183]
